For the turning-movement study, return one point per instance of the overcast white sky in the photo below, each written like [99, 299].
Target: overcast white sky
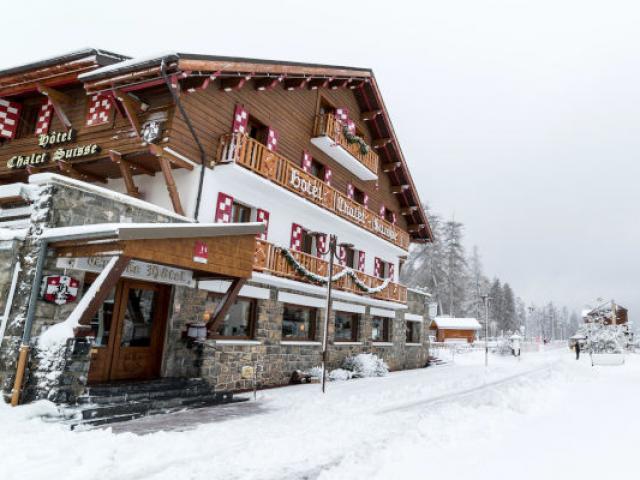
[518, 117]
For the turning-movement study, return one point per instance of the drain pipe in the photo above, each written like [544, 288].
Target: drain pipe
[28, 325]
[203, 155]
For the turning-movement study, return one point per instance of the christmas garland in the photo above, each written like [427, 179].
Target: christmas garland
[353, 138]
[302, 270]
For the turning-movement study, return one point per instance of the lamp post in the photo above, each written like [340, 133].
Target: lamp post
[332, 246]
[485, 301]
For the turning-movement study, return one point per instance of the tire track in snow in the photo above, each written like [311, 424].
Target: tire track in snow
[462, 393]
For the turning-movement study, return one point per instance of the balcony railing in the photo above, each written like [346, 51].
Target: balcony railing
[251, 154]
[269, 259]
[328, 135]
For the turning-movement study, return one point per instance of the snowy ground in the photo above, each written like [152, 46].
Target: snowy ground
[546, 416]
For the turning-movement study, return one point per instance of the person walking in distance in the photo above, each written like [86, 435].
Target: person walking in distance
[578, 350]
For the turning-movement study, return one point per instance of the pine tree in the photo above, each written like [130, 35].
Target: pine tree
[509, 323]
[455, 267]
[495, 307]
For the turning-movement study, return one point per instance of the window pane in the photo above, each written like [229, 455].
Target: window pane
[413, 332]
[101, 321]
[138, 318]
[380, 329]
[239, 319]
[298, 322]
[346, 327]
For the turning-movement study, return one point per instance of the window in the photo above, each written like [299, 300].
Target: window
[325, 107]
[239, 323]
[389, 215]
[28, 119]
[257, 130]
[101, 321]
[380, 329]
[350, 259]
[358, 196]
[298, 322]
[139, 317]
[240, 213]
[413, 332]
[346, 327]
[317, 169]
[308, 243]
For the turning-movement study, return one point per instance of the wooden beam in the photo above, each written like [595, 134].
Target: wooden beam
[158, 151]
[295, 83]
[70, 170]
[370, 115]
[339, 83]
[414, 228]
[131, 106]
[171, 185]
[100, 288]
[229, 84]
[408, 210]
[381, 142]
[125, 170]
[316, 83]
[399, 188]
[139, 168]
[59, 100]
[268, 83]
[390, 166]
[225, 304]
[357, 84]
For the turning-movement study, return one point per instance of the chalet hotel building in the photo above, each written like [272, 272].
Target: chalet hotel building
[171, 217]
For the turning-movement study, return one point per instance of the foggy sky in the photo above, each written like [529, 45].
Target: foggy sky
[518, 118]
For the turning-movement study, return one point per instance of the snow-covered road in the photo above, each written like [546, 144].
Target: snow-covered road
[546, 416]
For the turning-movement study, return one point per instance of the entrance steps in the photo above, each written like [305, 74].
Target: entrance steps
[118, 401]
[433, 361]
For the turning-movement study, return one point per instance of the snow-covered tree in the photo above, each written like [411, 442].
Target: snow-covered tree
[455, 268]
[509, 322]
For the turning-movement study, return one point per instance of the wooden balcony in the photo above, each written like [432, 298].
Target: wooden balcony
[269, 259]
[328, 136]
[245, 151]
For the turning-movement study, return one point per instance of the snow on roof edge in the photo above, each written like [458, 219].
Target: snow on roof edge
[449, 323]
[44, 178]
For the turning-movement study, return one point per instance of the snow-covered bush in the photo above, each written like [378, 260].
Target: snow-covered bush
[365, 365]
[340, 374]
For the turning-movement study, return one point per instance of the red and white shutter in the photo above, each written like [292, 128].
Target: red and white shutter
[45, 116]
[263, 216]
[350, 191]
[342, 255]
[392, 268]
[224, 208]
[321, 244]
[305, 164]
[296, 236]
[383, 210]
[240, 120]
[351, 126]
[342, 115]
[377, 267]
[9, 117]
[393, 217]
[328, 175]
[366, 201]
[100, 107]
[272, 140]
[361, 258]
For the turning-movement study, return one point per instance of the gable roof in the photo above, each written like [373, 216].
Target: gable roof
[147, 69]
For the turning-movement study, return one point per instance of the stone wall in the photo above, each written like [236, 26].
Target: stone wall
[56, 204]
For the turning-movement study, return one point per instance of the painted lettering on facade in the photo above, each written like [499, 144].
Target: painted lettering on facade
[350, 209]
[308, 187]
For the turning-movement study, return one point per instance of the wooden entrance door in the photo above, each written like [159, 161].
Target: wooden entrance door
[133, 350]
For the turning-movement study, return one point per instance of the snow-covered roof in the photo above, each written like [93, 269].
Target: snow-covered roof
[148, 231]
[12, 234]
[450, 323]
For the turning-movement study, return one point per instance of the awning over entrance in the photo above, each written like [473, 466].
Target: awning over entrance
[216, 250]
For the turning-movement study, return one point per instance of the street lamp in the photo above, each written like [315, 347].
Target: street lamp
[332, 246]
[485, 301]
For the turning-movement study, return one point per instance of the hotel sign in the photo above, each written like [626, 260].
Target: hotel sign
[149, 272]
[46, 141]
[308, 187]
